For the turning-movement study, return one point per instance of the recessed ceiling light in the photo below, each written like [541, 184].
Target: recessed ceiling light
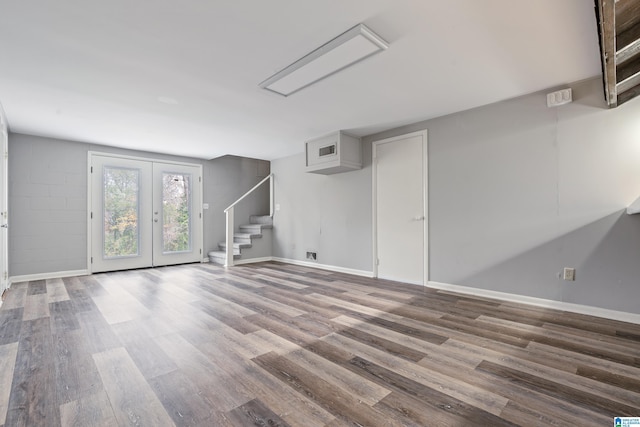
[348, 48]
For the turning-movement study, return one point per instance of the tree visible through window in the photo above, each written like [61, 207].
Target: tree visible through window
[121, 187]
[176, 215]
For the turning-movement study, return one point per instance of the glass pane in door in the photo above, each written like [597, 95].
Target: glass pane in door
[121, 212]
[176, 212]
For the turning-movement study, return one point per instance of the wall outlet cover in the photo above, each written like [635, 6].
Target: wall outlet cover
[569, 274]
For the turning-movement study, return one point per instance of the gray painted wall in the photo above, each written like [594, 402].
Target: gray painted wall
[330, 215]
[48, 200]
[516, 192]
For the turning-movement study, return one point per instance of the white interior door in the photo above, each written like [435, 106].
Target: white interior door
[4, 203]
[144, 213]
[400, 208]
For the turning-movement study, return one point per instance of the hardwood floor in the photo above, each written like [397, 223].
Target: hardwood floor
[275, 345]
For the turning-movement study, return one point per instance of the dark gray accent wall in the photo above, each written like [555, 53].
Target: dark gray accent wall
[48, 200]
[517, 191]
[226, 179]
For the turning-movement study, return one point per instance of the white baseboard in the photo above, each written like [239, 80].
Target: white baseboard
[540, 302]
[305, 264]
[45, 276]
[252, 260]
[324, 267]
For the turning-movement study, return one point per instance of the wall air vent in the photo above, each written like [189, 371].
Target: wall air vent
[333, 153]
[327, 151]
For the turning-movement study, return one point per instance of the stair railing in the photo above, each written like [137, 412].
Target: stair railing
[229, 212]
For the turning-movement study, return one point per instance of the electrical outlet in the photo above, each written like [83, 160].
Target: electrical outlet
[569, 274]
[311, 256]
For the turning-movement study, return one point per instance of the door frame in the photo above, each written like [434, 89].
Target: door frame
[425, 186]
[4, 202]
[200, 216]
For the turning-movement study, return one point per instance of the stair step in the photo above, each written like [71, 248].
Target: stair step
[261, 219]
[219, 257]
[245, 237]
[254, 228]
[236, 246]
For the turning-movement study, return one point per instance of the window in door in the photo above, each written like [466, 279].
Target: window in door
[144, 213]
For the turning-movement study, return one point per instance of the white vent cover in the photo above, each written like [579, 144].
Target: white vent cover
[333, 153]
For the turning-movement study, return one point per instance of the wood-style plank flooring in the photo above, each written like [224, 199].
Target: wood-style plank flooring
[279, 345]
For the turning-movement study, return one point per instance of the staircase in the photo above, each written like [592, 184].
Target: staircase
[243, 239]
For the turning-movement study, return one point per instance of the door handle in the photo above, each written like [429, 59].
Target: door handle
[418, 218]
[4, 225]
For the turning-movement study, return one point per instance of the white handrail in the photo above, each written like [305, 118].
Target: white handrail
[251, 191]
[229, 212]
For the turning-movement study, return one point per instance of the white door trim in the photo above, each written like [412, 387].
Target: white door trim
[143, 159]
[199, 217]
[425, 145]
[4, 202]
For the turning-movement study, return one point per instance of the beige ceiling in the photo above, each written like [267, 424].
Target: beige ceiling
[182, 77]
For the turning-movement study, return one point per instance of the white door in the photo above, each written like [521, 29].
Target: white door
[143, 213]
[177, 219]
[121, 219]
[400, 208]
[4, 205]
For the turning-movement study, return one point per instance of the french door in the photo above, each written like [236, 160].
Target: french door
[143, 213]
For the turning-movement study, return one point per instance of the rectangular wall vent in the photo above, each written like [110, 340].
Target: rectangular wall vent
[327, 151]
[333, 153]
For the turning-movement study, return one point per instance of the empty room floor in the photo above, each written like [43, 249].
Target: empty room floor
[274, 345]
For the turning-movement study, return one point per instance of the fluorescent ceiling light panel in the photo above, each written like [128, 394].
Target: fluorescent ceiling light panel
[348, 48]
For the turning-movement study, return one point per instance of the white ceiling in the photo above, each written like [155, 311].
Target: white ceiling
[182, 77]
